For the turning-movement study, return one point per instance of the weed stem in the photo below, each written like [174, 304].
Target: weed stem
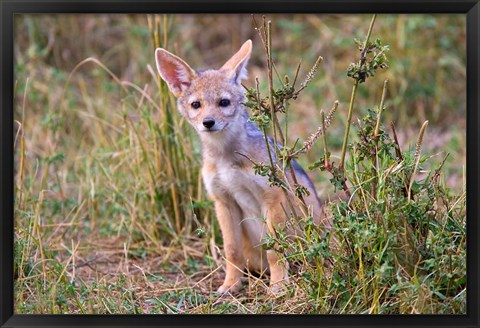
[349, 121]
[325, 146]
[384, 91]
[352, 98]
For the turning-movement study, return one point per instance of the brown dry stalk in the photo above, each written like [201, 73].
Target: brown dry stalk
[418, 148]
[314, 136]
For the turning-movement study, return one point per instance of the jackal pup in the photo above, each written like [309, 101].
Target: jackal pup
[212, 102]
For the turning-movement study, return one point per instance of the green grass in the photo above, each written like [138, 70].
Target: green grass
[110, 211]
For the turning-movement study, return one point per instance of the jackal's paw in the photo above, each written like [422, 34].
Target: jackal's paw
[278, 288]
[225, 288]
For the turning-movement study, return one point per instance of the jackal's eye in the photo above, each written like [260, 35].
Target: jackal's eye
[224, 103]
[196, 104]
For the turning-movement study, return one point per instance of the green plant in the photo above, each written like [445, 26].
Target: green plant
[391, 228]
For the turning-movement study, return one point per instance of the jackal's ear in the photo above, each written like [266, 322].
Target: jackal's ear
[174, 71]
[236, 66]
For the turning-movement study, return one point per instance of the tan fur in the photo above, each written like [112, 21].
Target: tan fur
[242, 198]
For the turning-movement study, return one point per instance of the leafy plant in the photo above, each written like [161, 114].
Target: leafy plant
[391, 226]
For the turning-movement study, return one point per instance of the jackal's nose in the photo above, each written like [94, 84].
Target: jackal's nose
[208, 122]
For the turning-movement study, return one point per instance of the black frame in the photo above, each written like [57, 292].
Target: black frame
[471, 8]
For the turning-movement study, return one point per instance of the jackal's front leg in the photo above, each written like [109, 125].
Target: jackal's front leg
[229, 216]
[278, 270]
